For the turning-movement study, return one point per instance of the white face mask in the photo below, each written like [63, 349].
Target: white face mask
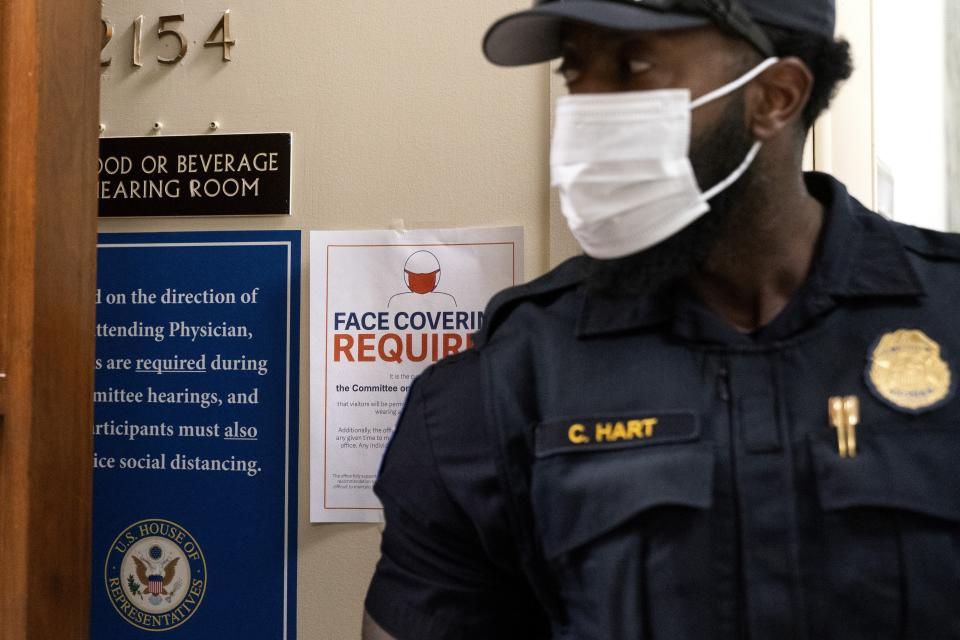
[621, 163]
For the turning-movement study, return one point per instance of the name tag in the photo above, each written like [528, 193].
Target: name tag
[617, 432]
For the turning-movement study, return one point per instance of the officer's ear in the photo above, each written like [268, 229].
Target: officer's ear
[776, 99]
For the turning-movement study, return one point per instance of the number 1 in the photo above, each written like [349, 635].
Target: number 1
[137, 40]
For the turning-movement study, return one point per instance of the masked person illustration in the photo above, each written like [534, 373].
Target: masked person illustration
[735, 415]
[421, 274]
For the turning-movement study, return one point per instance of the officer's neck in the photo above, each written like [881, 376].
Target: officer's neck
[754, 271]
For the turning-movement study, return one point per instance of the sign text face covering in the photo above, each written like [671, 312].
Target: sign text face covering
[384, 306]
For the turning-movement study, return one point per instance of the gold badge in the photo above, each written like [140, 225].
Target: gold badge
[907, 371]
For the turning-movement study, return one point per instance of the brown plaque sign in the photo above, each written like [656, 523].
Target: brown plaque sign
[209, 175]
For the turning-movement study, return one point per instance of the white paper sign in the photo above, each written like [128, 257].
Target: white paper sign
[384, 305]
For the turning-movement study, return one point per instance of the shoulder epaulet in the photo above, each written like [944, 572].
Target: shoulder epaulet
[565, 276]
[929, 243]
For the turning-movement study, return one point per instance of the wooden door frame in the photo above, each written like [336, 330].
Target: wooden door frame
[49, 105]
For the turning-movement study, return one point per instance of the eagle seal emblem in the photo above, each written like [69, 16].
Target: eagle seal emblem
[906, 370]
[155, 575]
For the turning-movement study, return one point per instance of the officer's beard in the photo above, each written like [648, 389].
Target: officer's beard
[714, 156]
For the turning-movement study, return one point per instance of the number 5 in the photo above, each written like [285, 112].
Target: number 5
[163, 31]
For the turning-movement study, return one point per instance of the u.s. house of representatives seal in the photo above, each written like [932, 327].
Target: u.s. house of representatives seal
[906, 370]
[155, 575]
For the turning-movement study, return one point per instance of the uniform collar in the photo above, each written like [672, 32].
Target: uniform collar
[859, 256]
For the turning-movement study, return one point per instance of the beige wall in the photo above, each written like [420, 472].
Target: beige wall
[395, 116]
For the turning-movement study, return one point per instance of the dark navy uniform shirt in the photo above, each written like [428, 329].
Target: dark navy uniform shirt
[635, 468]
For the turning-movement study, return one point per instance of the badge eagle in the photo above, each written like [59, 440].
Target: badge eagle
[906, 370]
[156, 583]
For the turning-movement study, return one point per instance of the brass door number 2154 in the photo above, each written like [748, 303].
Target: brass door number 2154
[219, 37]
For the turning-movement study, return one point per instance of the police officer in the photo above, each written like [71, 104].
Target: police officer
[734, 416]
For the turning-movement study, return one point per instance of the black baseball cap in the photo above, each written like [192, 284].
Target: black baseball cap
[532, 36]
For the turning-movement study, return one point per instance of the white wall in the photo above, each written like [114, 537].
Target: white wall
[395, 115]
[910, 100]
[952, 27]
[843, 137]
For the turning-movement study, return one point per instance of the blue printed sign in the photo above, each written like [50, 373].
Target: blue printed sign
[195, 436]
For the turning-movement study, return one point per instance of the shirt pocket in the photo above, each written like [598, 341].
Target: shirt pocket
[627, 533]
[891, 533]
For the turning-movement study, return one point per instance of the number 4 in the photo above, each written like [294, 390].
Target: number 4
[223, 27]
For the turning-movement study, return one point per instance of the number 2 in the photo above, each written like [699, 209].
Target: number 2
[106, 38]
